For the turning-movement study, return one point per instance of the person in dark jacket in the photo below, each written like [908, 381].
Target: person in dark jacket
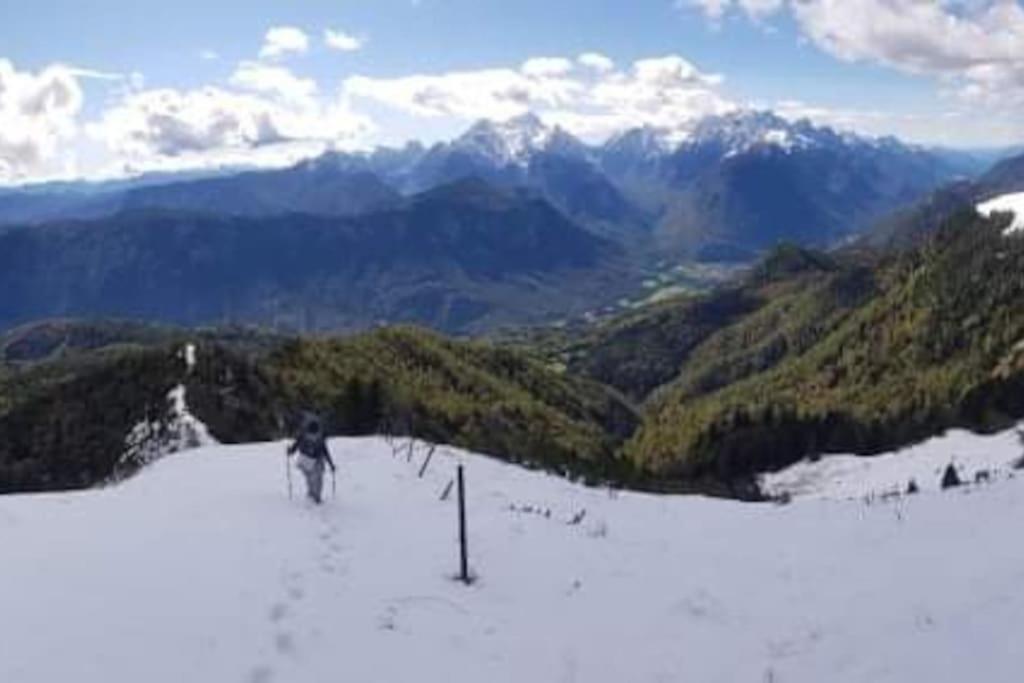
[311, 444]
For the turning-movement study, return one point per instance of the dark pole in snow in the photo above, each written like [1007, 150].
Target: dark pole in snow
[426, 461]
[464, 566]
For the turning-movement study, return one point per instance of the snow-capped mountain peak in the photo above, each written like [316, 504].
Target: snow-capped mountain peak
[741, 131]
[514, 141]
[645, 142]
[746, 130]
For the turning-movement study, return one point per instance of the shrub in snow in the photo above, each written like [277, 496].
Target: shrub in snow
[950, 478]
[912, 487]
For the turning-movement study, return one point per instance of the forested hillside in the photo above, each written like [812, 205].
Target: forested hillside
[859, 359]
[65, 419]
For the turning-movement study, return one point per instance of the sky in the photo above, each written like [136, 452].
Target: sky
[101, 88]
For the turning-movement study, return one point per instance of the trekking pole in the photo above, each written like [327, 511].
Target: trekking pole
[288, 474]
[334, 484]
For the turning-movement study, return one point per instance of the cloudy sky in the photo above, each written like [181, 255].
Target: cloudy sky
[95, 88]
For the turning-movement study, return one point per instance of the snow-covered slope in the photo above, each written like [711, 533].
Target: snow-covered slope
[1007, 203]
[976, 457]
[201, 569]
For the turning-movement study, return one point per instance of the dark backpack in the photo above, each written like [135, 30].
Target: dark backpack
[312, 445]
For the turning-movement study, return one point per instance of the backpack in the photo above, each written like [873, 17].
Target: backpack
[311, 445]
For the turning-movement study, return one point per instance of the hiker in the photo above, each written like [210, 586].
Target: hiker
[312, 447]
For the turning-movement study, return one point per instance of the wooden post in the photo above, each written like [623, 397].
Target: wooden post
[426, 461]
[463, 555]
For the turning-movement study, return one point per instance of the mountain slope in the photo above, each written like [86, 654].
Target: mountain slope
[461, 257]
[935, 343]
[786, 302]
[245, 585]
[309, 187]
[913, 224]
[752, 179]
[524, 152]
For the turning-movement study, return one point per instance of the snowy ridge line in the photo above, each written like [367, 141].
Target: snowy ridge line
[976, 457]
[178, 429]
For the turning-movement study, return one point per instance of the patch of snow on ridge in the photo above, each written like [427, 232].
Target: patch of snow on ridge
[1007, 203]
[853, 476]
[508, 142]
[190, 356]
[779, 138]
[178, 430]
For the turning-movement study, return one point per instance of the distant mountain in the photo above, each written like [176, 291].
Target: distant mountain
[500, 152]
[524, 152]
[748, 180]
[635, 153]
[461, 257]
[312, 187]
[1005, 176]
[515, 142]
[729, 188]
[913, 223]
[83, 199]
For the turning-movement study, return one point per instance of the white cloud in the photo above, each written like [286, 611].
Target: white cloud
[542, 67]
[284, 40]
[596, 61]
[169, 123]
[38, 112]
[716, 9]
[975, 48]
[590, 96]
[915, 36]
[274, 80]
[344, 42]
[209, 55]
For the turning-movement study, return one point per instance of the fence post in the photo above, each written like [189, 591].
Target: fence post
[426, 461]
[463, 554]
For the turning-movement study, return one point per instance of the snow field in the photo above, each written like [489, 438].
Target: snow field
[201, 569]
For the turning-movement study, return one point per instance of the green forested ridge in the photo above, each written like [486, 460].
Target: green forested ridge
[469, 394]
[781, 304]
[63, 421]
[927, 340]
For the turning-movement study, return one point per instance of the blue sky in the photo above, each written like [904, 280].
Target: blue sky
[141, 84]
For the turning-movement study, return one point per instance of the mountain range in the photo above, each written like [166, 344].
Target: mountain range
[512, 222]
[748, 177]
[460, 257]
